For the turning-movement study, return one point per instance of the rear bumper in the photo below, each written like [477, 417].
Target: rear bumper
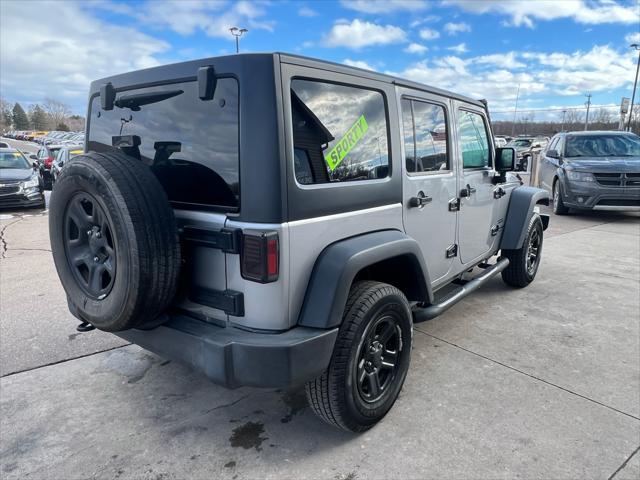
[232, 357]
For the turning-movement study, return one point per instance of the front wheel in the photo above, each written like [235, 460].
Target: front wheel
[370, 359]
[559, 207]
[524, 261]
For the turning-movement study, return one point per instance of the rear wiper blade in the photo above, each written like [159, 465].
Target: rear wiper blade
[136, 100]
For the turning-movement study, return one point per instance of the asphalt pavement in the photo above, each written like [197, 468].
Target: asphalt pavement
[542, 382]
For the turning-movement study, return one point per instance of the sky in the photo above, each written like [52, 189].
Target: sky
[556, 51]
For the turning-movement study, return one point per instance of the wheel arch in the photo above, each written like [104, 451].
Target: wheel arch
[520, 210]
[388, 256]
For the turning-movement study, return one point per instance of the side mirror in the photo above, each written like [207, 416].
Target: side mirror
[536, 145]
[35, 165]
[33, 156]
[505, 159]
[553, 154]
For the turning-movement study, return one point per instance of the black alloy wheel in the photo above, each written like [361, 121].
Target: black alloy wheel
[378, 358]
[89, 244]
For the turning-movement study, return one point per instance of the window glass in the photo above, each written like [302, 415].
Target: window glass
[190, 145]
[474, 143]
[553, 143]
[339, 133]
[428, 146]
[409, 138]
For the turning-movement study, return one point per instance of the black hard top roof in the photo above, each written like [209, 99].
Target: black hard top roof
[188, 69]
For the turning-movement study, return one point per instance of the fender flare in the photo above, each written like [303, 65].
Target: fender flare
[520, 211]
[339, 263]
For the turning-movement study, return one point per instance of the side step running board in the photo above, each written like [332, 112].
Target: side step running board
[421, 314]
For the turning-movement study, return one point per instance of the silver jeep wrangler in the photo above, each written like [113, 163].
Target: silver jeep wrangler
[276, 221]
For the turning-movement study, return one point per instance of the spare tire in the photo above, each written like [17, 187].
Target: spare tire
[114, 241]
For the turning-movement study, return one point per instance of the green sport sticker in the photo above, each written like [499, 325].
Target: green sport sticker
[335, 156]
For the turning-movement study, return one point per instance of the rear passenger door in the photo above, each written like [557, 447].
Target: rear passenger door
[477, 202]
[429, 179]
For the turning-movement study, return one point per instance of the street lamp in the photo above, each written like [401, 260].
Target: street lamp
[238, 32]
[635, 83]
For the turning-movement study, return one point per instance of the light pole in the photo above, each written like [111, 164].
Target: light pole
[238, 32]
[515, 112]
[564, 112]
[588, 104]
[635, 83]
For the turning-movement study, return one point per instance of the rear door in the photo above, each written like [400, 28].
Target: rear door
[429, 179]
[476, 192]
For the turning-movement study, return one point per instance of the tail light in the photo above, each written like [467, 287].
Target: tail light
[48, 161]
[260, 256]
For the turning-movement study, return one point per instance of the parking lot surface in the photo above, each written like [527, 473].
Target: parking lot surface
[542, 382]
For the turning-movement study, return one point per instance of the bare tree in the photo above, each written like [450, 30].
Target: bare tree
[5, 115]
[57, 111]
[573, 116]
[602, 115]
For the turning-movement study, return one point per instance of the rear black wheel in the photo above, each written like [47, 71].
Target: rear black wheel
[370, 359]
[524, 261]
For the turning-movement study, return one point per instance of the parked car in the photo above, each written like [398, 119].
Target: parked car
[44, 159]
[597, 170]
[526, 148]
[279, 225]
[4, 145]
[20, 183]
[500, 141]
[63, 155]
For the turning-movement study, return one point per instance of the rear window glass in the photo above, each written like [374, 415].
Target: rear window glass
[191, 145]
[339, 133]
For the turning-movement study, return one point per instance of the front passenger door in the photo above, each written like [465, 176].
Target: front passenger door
[477, 200]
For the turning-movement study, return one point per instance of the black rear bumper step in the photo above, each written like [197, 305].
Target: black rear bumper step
[233, 357]
[421, 314]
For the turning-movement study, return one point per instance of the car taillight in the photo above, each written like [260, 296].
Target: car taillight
[48, 161]
[259, 257]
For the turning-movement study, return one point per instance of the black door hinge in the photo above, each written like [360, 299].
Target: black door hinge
[454, 205]
[452, 251]
[229, 301]
[226, 239]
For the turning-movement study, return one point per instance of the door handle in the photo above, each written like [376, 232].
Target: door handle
[467, 192]
[499, 193]
[420, 200]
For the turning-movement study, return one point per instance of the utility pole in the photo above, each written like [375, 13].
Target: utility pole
[633, 95]
[515, 113]
[564, 112]
[238, 32]
[588, 104]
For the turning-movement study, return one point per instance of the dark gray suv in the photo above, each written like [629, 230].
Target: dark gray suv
[592, 171]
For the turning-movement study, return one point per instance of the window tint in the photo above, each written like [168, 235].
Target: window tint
[190, 145]
[425, 136]
[339, 133]
[474, 143]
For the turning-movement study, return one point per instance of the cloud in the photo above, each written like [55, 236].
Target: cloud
[92, 49]
[525, 12]
[416, 48]
[429, 34]
[307, 12]
[423, 20]
[540, 75]
[358, 63]
[212, 18]
[375, 7]
[459, 49]
[358, 34]
[455, 28]
[632, 38]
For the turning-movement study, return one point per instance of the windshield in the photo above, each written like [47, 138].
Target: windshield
[13, 160]
[521, 143]
[602, 146]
